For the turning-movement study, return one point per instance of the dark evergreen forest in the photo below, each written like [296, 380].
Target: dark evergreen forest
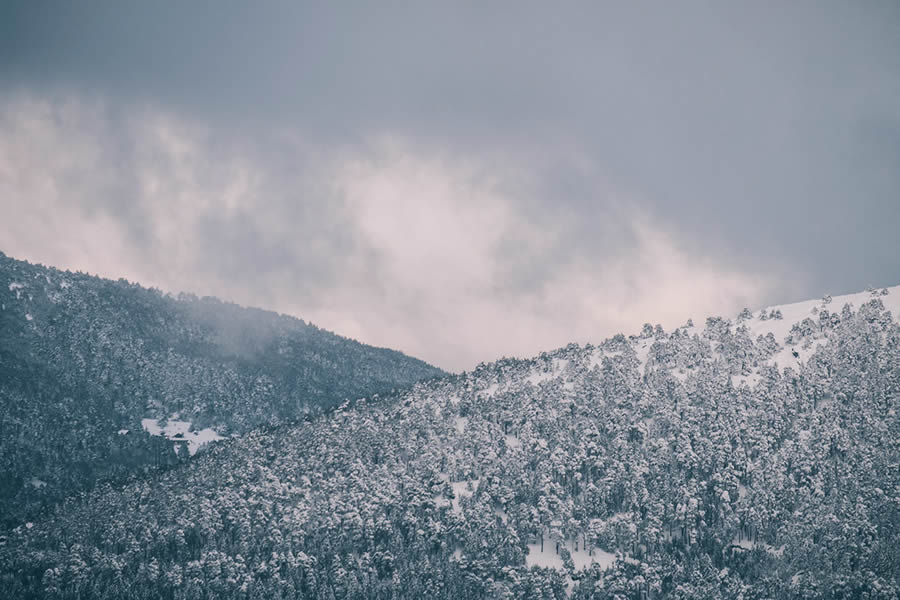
[83, 360]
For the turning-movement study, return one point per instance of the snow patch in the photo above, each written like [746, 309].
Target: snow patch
[151, 426]
[581, 558]
[796, 312]
[174, 427]
[744, 543]
[643, 352]
[28, 317]
[462, 489]
[203, 437]
[181, 430]
[748, 544]
[460, 424]
[440, 501]
[547, 559]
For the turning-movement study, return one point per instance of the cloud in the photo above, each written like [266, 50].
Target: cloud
[452, 258]
[766, 138]
[156, 198]
[442, 231]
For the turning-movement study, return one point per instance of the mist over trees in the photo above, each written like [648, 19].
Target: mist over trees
[83, 360]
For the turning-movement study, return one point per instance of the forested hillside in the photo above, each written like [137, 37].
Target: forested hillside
[756, 457]
[89, 366]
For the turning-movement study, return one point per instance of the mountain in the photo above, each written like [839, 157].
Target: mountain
[90, 368]
[754, 457]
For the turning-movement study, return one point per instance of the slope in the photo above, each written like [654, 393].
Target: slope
[89, 368]
[700, 463]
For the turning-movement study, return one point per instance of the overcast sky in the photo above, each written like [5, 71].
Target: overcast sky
[460, 182]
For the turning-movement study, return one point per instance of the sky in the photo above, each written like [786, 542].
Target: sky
[459, 181]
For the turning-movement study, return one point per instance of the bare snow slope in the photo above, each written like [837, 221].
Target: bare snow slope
[792, 314]
[779, 321]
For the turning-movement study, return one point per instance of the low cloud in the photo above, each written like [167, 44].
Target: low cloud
[454, 259]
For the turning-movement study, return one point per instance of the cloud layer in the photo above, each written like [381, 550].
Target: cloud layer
[453, 258]
[458, 180]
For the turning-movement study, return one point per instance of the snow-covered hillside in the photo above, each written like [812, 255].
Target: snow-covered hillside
[765, 321]
[796, 330]
[84, 359]
[703, 462]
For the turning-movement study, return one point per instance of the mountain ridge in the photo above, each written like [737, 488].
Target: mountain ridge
[689, 463]
[90, 366]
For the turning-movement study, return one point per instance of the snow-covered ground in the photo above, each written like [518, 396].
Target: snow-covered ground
[460, 424]
[642, 349]
[460, 490]
[780, 328]
[747, 544]
[151, 426]
[182, 429]
[796, 312]
[581, 558]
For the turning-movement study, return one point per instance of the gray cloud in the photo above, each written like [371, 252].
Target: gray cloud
[453, 258]
[258, 152]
